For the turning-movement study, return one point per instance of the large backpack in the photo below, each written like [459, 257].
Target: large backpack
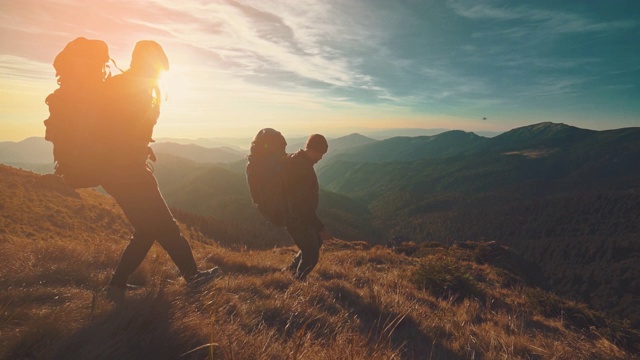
[74, 111]
[266, 176]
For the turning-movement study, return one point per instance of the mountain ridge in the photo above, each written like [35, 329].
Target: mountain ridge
[405, 148]
[223, 154]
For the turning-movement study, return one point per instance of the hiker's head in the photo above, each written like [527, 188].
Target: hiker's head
[148, 58]
[82, 63]
[316, 147]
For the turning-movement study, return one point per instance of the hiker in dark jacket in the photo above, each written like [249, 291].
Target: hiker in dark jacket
[306, 229]
[131, 109]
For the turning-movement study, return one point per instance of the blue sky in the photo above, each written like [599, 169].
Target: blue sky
[342, 66]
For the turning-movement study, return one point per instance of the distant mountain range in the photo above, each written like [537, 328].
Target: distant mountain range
[198, 153]
[465, 162]
[382, 134]
[295, 142]
[410, 148]
[240, 144]
[36, 154]
[35, 150]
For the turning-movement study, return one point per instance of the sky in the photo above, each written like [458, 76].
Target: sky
[342, 66]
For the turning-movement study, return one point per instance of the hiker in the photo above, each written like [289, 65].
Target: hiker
[131, 109]
[305, 228]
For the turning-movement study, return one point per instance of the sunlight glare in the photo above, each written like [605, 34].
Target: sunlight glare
[172, 82]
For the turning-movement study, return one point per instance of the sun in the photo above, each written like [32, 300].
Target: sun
[172, 83]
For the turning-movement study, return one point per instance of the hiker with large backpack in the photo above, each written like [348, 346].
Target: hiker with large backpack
[131, 109]
[101, 127]
[284, 188]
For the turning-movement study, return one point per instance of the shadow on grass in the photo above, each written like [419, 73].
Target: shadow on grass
[135, 328]
[402, 331]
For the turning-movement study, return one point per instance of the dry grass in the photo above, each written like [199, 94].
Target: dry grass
[359, 303]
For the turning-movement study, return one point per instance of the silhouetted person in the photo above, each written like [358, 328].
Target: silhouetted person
[304, 226]
[132, 106]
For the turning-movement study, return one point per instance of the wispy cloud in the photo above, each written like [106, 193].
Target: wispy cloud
[19, 69]
[546, 21]
[552, 86]
[269, 39]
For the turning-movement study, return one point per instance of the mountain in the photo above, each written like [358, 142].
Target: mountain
[199, 153]
[449, 143]
[565, 198]
[468, 300]
[239, 144]
[539, 136]
[402, 132]
[411, 132]
[464, 162]
[33, 150]
[348, 142]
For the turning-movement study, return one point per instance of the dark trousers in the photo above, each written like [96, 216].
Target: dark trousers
[135, 189]
[308, 240]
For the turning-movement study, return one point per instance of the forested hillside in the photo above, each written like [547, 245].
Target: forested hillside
[563, 197]
[470, 300]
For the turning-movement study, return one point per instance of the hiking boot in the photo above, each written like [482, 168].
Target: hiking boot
[202, 278]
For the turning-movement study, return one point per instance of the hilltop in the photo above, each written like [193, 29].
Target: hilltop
[467, 300]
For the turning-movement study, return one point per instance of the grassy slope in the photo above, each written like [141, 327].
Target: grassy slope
[58, 249]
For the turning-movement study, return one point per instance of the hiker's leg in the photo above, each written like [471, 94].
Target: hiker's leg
[138, 195]
[156, 219]
[178, 249]
[136, 191]
[131, 258]
[125, 189]
[306, 238]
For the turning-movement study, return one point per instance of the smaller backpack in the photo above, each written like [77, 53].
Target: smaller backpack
[266, 176]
